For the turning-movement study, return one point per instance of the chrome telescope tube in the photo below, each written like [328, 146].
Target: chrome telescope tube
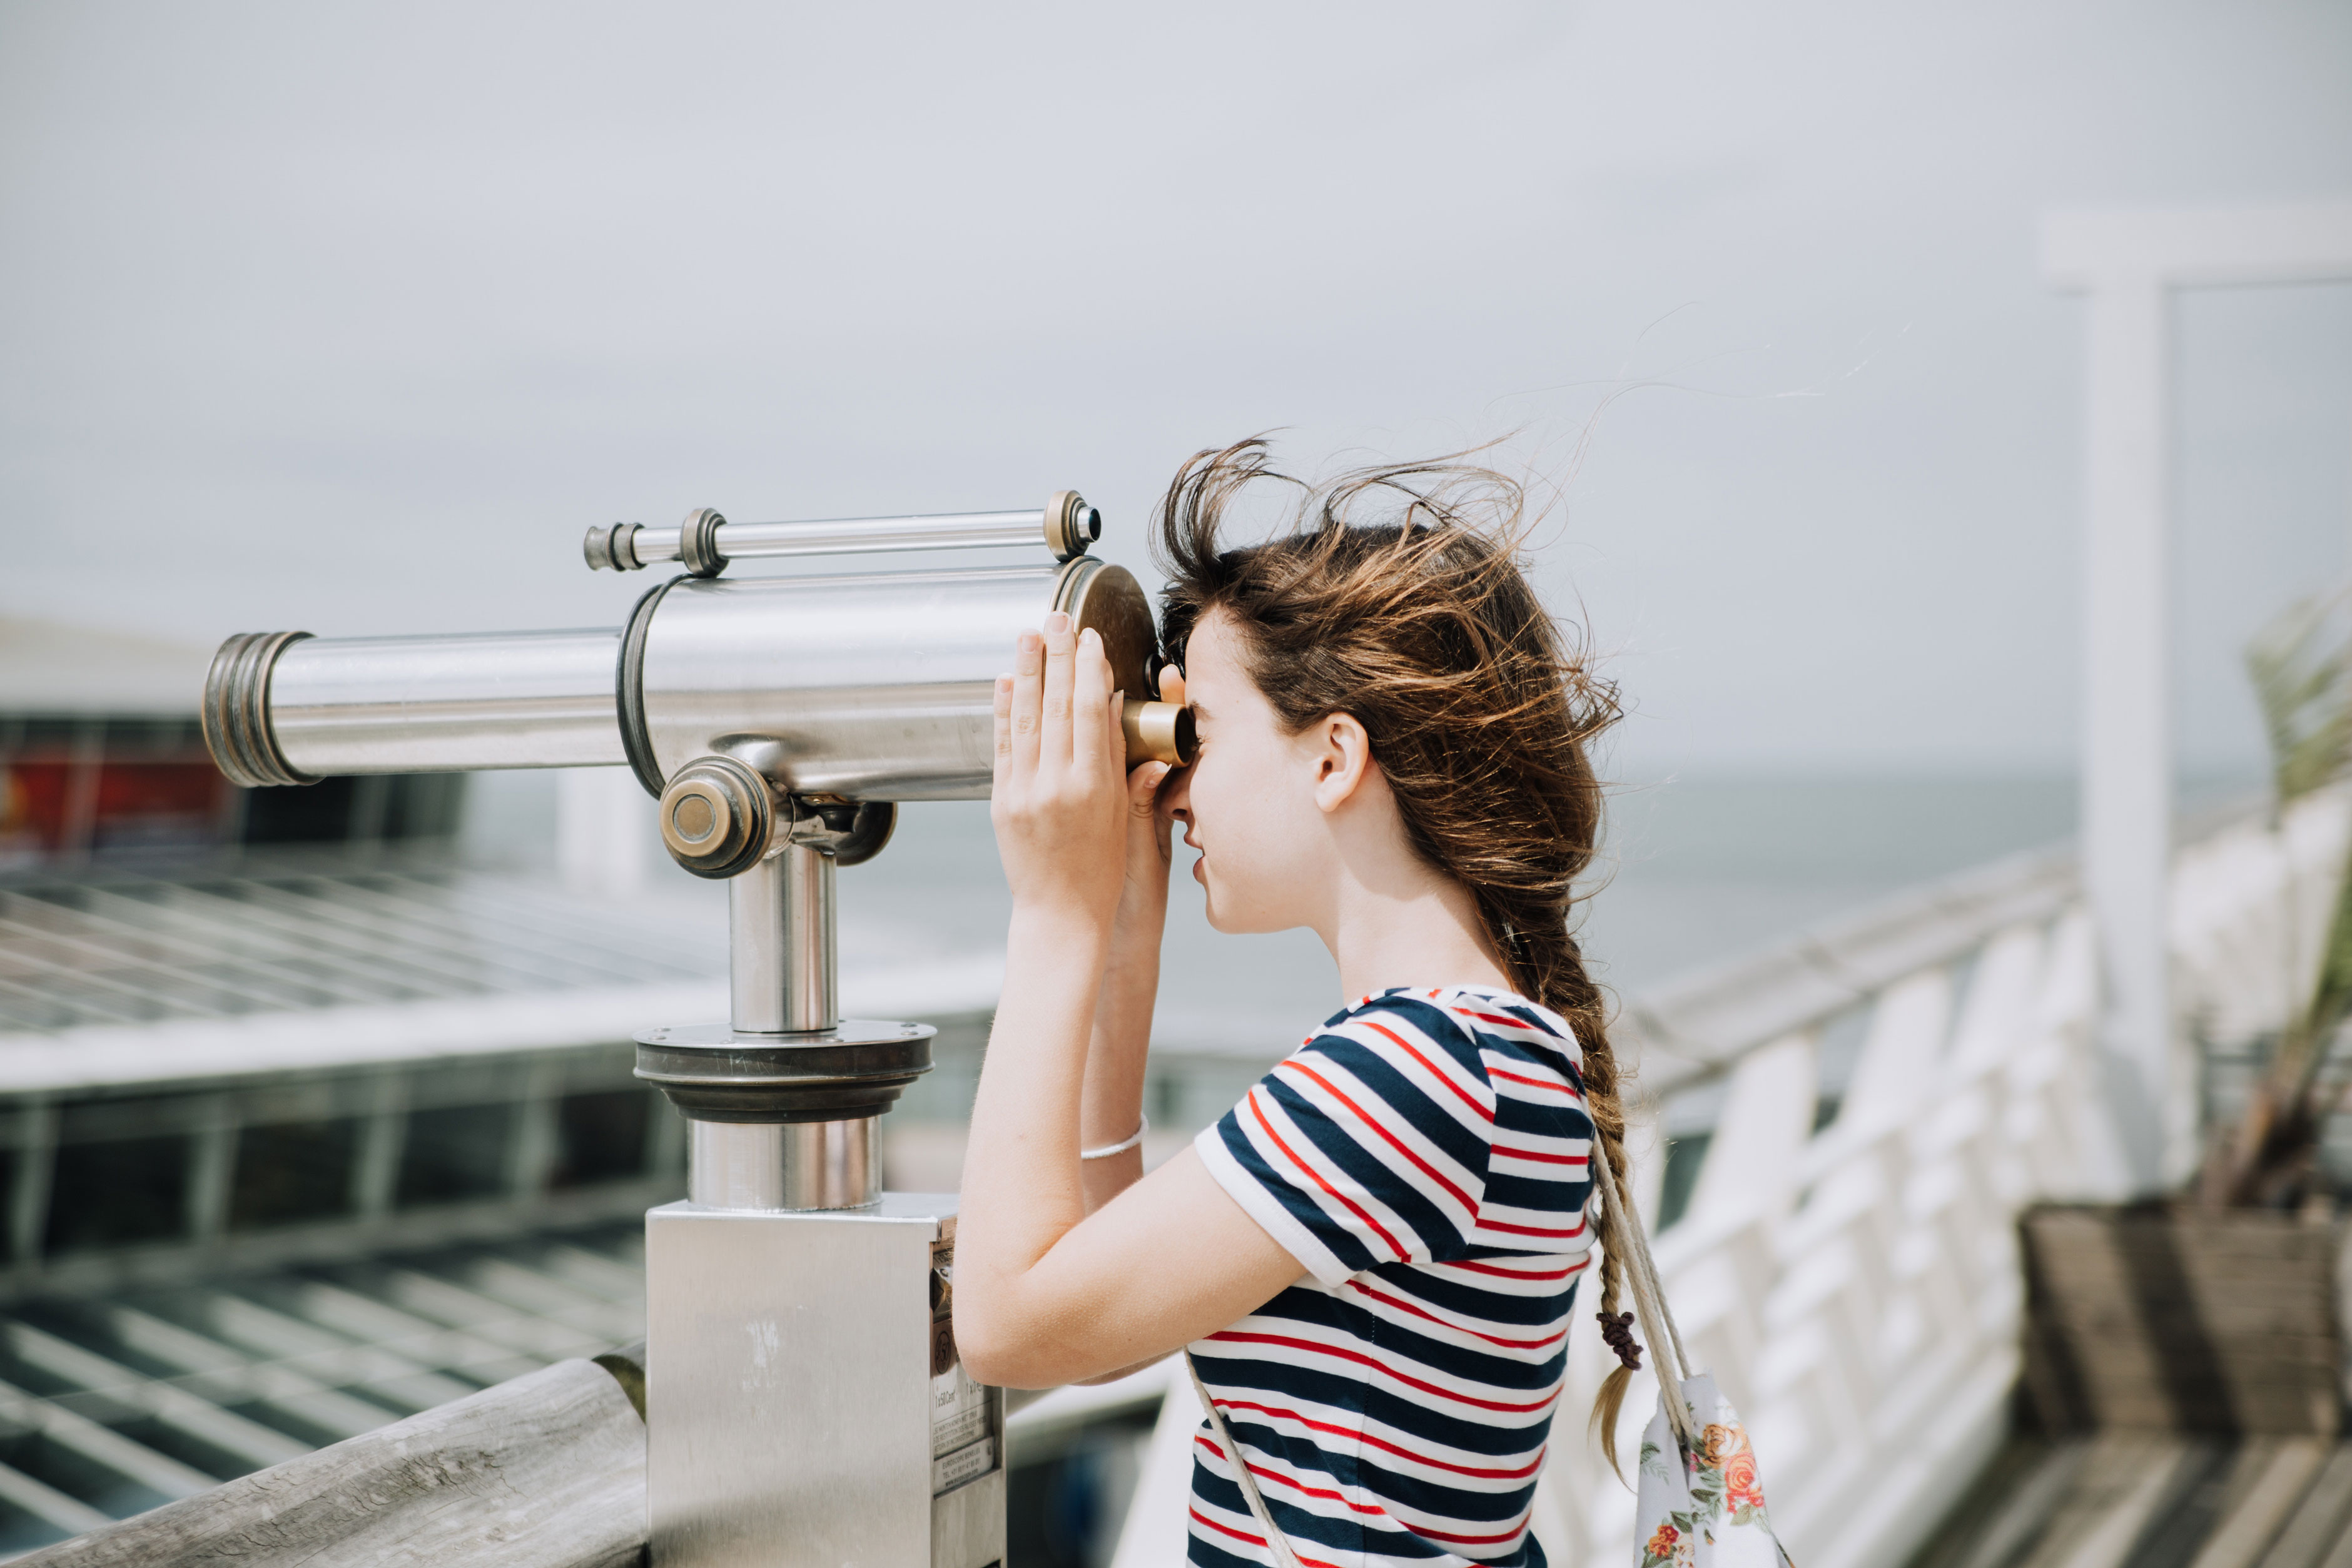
[286, 707]
[871, 687]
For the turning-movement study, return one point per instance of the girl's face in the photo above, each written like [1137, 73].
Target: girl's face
[1248, 802]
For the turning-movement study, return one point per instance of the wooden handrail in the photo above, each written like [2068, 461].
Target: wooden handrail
[546, 1470]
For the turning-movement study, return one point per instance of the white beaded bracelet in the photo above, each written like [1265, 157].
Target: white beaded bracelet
[1121, 1147]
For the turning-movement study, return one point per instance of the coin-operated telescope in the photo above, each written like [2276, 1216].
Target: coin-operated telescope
[805, 1407]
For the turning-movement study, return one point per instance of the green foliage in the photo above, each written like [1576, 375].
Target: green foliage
[2301, 666]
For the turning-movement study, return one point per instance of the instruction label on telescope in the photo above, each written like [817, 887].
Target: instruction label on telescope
[965, 1464]
[959, 1407]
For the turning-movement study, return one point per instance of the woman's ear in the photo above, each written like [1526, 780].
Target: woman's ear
[1343, 760]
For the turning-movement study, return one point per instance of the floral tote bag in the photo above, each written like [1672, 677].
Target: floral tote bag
[1702, 1506]
[1700, 1503]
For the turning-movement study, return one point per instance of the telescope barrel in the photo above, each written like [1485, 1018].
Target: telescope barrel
[860, 688]
[872, 687]
[289, 708]
[706, 541]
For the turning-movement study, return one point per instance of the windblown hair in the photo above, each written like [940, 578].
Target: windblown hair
[1421, 625]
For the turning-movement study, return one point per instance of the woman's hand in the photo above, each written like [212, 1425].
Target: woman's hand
[1059, 801]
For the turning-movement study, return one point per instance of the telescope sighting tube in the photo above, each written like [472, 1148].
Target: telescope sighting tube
[706, 541]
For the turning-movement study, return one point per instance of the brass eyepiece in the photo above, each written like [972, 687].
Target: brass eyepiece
[1157, 732]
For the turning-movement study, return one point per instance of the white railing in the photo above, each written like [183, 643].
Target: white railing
[1855, 1288]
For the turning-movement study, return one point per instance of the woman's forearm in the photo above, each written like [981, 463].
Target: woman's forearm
[1111, 1105]
[1020, 1183]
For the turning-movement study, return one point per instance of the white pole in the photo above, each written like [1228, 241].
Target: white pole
[2128, 262]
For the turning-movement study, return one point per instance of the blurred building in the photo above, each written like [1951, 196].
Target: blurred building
[304, 1126]
[101, 760]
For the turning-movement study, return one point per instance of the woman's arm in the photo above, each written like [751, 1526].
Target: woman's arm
[1111, 1107]
[1045, 1292]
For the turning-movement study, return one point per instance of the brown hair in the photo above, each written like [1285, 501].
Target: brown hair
[1423, 627]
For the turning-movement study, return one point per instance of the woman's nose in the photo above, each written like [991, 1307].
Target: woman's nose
[1180, 795]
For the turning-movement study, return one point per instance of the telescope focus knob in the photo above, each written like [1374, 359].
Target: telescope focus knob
[716, 817]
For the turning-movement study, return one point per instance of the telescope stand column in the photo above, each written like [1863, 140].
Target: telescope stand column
[804, 1403]
[781, 961]
[795, 1165]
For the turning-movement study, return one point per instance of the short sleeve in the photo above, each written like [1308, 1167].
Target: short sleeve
[1368, 1146]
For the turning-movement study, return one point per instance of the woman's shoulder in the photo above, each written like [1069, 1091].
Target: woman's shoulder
[1478, 1026]
[1490, 1014]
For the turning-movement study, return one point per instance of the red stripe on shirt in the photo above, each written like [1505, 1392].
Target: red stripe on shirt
[1292, 1483]
[1500, 1151]
[1441, 1073]
[1200, 1518]
[1510, 1535]
[1533, 1230]
[1354, 1434]
[1358, 1284]
[1507, 1022]
[1446, 1078]
[1521, 1273]
[1309, 1171]
[1228, 1336]
[1464, 1199]
[1551, 1084]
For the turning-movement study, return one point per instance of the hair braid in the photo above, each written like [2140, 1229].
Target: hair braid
[1423, 627]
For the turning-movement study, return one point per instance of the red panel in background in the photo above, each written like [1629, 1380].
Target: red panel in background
[160, 803]
[31, 809]
[44, 809]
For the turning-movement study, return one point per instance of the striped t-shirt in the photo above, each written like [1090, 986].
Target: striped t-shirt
[1424, 1157]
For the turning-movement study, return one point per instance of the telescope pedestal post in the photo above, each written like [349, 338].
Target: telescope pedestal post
[804, 1403]
[782, 964]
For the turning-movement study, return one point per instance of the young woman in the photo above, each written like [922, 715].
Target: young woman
[1372, 1258]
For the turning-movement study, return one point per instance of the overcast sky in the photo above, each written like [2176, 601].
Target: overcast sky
[352, 318]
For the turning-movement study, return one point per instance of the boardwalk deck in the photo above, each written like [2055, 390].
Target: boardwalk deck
[2146, 1501]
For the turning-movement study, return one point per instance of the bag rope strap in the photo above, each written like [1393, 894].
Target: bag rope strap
[1648, 1302]
[1283, 1555]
